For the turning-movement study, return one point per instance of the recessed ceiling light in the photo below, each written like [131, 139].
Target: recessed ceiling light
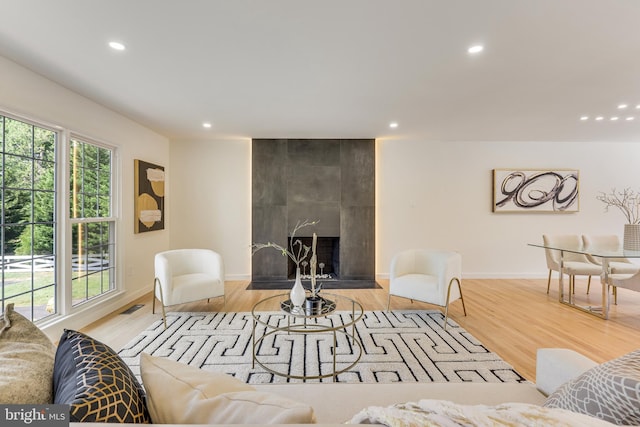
[393, 125]
[584, 118]
[206, 125]
[476, 48]
[613, 119]
[622, 106]
[638, 107]
[630, 118]
[599, 118]
[117, 46]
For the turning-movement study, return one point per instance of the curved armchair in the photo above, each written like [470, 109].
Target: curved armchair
[186, 275]
[427, 276]
[574, 264]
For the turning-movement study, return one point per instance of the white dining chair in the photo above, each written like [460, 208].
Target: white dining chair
[609, 243]
[625, 281]
[573, 264]
[620, 268]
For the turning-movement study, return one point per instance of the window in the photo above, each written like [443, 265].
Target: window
[92, 227]
[28, 226]
[33, 185]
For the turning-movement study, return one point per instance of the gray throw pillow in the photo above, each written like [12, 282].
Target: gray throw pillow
[26, 361]
[610, 391]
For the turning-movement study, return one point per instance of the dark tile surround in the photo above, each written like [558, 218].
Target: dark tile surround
[332, 180]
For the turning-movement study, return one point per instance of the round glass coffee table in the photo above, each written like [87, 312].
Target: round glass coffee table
[298, 323]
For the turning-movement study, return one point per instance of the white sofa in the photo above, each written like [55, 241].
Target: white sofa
[336, 403]
[97, 384]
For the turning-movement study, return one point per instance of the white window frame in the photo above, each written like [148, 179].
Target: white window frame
[67, 306]
[63, 222]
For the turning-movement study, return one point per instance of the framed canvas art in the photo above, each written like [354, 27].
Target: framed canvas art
[149, 196]
[533, 190]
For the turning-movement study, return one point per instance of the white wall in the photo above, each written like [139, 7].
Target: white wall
[210, 204]
[429, 194]
[32, 96]
[439, 194]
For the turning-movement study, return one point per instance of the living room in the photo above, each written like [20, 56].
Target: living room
[433, 192]
[433, 189]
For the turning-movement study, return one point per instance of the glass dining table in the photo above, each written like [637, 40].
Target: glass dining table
[605, 256]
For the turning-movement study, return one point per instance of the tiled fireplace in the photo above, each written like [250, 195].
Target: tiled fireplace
[329, 180]
[327, 255]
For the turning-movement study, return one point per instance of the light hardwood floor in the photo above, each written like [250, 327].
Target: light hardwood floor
[511, 317]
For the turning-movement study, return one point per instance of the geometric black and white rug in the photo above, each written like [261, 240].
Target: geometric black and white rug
[398, 346]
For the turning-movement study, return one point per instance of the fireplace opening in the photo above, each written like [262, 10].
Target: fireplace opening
[327, 254]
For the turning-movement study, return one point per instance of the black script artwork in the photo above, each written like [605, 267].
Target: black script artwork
[535, 190]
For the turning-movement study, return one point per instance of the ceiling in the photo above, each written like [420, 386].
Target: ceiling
[343, 68]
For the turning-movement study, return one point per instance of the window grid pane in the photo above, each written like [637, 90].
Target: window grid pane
[27, 229]
[92, 246]
[92, 267]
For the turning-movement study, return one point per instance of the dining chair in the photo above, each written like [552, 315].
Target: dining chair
[617, 266]
[626, 281]
[573, 264]
[609, 243]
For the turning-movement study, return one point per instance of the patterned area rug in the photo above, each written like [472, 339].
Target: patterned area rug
[398, 346]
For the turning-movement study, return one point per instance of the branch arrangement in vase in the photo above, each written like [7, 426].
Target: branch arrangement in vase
[296, 250]
[627, 200]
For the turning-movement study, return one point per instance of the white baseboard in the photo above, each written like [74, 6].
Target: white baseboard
[489, 276]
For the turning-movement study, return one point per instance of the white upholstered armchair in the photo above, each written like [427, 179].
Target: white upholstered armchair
[431, 276]
[186, 275]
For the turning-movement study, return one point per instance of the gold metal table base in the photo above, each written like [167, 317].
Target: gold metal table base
[308, 328]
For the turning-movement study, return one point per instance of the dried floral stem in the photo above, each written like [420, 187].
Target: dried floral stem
[628, 201]
[296, 255]
[314, 262]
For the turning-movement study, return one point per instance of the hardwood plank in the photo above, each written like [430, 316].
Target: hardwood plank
[511, 317]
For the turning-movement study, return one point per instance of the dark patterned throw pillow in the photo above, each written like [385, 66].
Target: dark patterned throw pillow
[97, 384]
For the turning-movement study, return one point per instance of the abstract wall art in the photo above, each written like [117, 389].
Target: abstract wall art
[532, 190]
[149, 196]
